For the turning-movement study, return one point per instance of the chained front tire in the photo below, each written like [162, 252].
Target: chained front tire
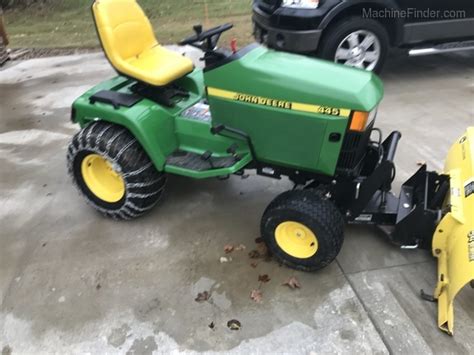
[113, 172]
[303, 229]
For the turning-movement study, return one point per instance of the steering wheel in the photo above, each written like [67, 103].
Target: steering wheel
[206, 40]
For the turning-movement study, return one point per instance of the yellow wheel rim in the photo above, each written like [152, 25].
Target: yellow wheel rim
[101, 178]
[296, 239]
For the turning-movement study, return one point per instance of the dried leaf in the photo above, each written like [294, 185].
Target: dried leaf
[212, 325]
[268, 258]
[228, 248]
[256, 295]
[240, 247]
[202, 296]
[292, 283]
[262, 249]
[234, 324]
[263, 278]
[254, 264]
[254, 254]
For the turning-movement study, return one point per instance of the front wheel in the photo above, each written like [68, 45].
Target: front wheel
[356, 42]
[303, 229]
[113, 172]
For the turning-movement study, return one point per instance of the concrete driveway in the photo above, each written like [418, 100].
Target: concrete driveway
[74, 282]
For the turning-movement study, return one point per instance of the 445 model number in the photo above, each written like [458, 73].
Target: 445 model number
[326, 110]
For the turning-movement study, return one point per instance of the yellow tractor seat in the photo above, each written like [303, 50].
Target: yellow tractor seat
[130, 45]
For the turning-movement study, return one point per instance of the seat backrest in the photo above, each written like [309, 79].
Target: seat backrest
[123, 29]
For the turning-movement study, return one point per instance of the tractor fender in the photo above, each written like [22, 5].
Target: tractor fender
[453, 240]
[152, 125]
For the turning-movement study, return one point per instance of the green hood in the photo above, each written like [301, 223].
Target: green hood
[296, 78]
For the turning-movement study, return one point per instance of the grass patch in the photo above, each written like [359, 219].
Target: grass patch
[68, 23]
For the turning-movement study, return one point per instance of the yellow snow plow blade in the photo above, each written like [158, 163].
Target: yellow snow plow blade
[453, 241]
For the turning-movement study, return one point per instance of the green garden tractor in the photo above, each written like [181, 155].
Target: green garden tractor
[280, 114]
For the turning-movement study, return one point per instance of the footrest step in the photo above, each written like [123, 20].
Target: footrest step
[193, 161]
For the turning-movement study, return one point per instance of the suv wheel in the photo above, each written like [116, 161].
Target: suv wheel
[356, 42]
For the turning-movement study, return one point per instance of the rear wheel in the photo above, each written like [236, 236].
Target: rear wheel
[303, 230]
[113, 172]
[356, 42]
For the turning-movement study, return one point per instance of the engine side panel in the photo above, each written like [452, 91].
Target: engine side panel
[292, 107]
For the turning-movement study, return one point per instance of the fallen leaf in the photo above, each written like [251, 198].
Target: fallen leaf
[254, 264]
[240, 247]
[256, 295]
[263, 278]
[212, 325]
[234, 324]
[254, 254]
[292, 283]
[202, 296]
[262, 249]
[228, 248]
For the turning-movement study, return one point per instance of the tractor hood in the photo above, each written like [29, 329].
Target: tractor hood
[263, 72]
[294, 109]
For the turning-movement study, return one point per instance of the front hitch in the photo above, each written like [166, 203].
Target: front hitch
[433, 211]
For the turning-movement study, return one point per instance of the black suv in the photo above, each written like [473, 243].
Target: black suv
[360, 32]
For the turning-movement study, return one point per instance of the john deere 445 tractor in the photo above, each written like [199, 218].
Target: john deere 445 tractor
[279, 114]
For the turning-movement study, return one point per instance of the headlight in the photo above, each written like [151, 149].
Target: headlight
[301, 4]
[360, 119]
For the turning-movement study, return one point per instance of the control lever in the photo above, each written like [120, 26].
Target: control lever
[197, 29]
[206, 155]
[217, 129]
[233, 149]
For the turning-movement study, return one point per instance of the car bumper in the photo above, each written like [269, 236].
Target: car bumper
[299, 41]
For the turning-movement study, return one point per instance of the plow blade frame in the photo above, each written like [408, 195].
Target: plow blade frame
[453, 240]
[424, 194]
